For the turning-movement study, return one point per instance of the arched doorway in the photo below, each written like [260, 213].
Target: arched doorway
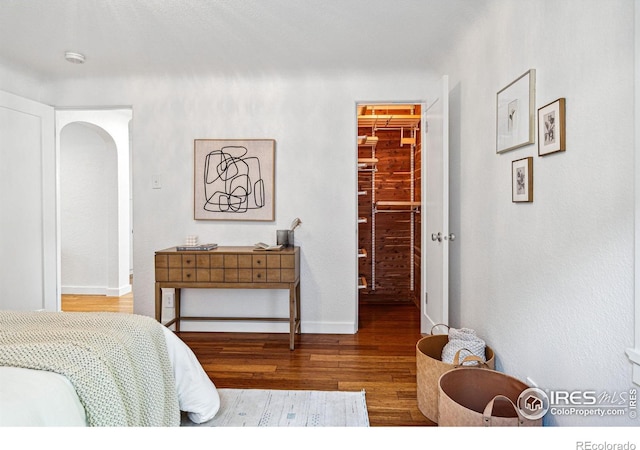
[94, 208]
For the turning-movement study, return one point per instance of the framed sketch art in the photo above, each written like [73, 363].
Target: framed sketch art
[522, 180]
[551, 128]
[234, 179]
[515, 113]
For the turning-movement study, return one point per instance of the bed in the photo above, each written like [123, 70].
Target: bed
[98, 369]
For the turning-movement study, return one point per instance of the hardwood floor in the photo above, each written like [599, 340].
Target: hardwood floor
[93, 303]
[380, 359]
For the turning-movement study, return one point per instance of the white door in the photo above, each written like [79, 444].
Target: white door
[435, 211]
[28, 256]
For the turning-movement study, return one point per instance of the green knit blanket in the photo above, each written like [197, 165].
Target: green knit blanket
[117, 363]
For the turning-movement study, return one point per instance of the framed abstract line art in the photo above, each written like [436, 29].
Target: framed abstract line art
[515, 113]
[522, 180]
[234, 179]
[551, 128]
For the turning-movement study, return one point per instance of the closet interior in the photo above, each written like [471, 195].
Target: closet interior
[389, 202]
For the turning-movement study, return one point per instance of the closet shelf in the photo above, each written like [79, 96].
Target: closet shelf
[367, 164]
[362, 220]
[362, 283]
[368, 140]
[396, 206]
[389, 120]
[388, 107]
[362, 253]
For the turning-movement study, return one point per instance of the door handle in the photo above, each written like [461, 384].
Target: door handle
[439, 237]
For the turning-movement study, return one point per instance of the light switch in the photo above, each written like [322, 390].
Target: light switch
[155, 182]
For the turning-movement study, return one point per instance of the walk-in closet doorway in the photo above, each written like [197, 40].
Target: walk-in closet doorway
[389, 203]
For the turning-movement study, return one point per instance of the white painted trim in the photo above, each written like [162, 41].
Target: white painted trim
[263, 327]
[97, 290]
[45, 113]
[634, 353]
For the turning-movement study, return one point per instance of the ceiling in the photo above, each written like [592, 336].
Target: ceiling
[125, 37]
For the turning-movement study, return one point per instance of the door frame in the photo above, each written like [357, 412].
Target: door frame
[423, 106]
[115, 122]
[50, 300]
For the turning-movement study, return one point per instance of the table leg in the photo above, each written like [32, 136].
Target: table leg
[158, 303]
[298, 317]
[177, 306]
[292, 316]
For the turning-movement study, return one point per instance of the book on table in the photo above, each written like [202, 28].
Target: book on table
[197, 248]
[263, 246]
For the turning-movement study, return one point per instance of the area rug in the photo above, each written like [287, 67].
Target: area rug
[279, 408]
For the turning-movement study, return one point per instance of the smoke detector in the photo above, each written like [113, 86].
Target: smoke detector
[75, 58]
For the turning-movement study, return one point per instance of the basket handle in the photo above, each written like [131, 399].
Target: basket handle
[468, 358]
[439, 325]
[488, 410]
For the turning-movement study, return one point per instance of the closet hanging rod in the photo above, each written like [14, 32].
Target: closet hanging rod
[395, 128]
[397, 203]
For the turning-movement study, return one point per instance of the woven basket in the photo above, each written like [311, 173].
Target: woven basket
[480, 397]
[429, 369]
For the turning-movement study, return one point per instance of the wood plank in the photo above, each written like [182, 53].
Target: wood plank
[380, 359]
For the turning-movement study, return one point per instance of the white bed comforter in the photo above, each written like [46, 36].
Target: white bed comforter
[31, 397]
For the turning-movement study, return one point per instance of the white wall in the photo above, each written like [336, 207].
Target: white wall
[312, 119]
[634, 353]
[88, 208]
[548, 284]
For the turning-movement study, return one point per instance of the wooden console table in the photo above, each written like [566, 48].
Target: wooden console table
[230, 268]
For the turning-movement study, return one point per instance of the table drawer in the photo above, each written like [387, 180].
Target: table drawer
[188, 261]
[241, 267]
[274, 276]
[189, 274]
[259, 276]
[203, 261]
[259, 262]
[230, 275]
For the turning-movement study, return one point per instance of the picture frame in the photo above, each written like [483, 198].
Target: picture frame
[234, 179]
[522, 180]
[515, 113]
[551, 127]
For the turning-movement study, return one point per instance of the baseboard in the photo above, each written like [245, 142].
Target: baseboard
[261, 327]
[96, 290]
